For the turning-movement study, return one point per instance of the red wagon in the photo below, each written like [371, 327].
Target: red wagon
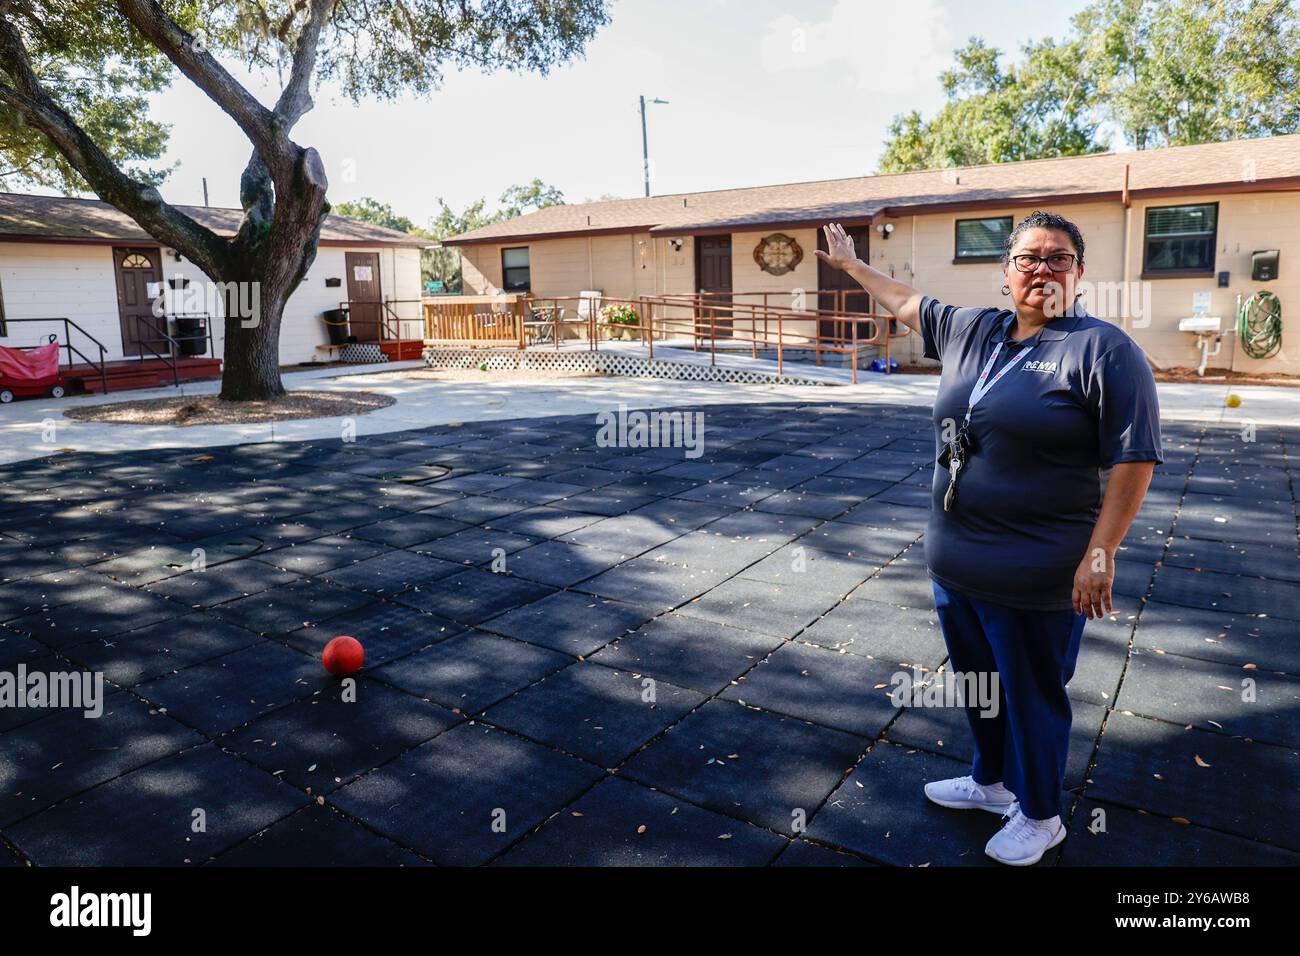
[30, 371]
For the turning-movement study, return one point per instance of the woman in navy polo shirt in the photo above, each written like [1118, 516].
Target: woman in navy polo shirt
[1047, 430]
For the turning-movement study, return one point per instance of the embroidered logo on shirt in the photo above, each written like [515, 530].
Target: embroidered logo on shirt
[1034, 366]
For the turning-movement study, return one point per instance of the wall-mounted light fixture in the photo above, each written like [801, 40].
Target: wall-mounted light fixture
[174, 254]
[885, 228]
[676, 244]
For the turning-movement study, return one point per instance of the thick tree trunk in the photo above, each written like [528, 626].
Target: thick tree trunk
[251, 361]
[272, 257]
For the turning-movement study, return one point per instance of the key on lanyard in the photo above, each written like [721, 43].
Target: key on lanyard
[953, 456]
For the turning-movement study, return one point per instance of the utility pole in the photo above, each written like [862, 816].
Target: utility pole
[205, 190]
[645, 142]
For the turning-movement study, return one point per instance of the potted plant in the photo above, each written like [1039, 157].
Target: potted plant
[620, 315]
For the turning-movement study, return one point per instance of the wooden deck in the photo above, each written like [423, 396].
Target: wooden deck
[126, 374]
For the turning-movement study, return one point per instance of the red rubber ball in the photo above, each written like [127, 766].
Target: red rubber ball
[343, 656]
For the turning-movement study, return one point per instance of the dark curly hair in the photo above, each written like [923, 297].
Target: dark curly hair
[1043, 220]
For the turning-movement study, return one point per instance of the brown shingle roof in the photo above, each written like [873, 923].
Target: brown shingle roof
[90, 220]
[1253, 163]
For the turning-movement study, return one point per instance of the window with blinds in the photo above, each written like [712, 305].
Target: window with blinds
[515, 276]
[1180, 239]
[982, 239]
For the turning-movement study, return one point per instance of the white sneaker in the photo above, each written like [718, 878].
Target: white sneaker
[1022, 841]
[963, 793]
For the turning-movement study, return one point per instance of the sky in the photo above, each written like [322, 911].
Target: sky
[758, 92]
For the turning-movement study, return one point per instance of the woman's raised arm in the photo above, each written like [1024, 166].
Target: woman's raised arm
[899, 298]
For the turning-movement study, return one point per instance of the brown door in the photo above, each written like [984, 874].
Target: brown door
[713, 280]
[134, 270]
[851, 297]
[364, 296]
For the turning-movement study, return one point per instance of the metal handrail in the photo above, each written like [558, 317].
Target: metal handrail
[387, 314]
[169, 358]
[68, 325]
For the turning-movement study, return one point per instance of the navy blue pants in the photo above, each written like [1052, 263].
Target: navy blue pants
[1033, 655]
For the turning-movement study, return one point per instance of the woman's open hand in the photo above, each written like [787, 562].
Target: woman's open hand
[1092, 583]
[841, 252]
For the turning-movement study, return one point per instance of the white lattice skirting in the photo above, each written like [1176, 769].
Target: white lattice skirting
[607, 363]
[363, 353]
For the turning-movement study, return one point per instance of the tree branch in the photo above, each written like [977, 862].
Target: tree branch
[140, 201]
[295, 99]
[187, 53]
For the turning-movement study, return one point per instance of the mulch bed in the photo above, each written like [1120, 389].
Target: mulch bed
[211, 410]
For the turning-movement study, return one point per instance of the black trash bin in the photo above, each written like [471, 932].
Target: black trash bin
[192, 334]
[336, 322]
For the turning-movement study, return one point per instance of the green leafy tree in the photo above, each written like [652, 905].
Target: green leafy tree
[518, 200]
[375, 212]
[1038, 108]
[1183, 72]
[1170, 73]
[370, 49]
[443, 263]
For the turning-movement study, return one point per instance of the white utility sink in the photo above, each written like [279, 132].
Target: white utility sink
[1201, 324]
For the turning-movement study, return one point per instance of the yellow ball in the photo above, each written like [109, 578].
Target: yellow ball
[1233, 401]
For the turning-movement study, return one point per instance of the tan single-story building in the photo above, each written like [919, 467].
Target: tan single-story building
[1170, 234]
[86, 261]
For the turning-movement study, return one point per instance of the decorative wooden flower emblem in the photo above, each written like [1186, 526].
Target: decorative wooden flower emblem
[778, 254]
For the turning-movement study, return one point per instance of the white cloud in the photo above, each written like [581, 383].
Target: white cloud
[886, 47]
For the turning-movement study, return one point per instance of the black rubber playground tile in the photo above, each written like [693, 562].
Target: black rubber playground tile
[225, 692]
[570, 622]
[321, 554]
[155, 814]
[386, 632]
[112, 612]
[1227, 592]
[467, 795]
[317, 836]
[468, 672]
[1259, 560]
[71, 750]
[15, 647]
[769, 770]
[226, 582]
[1240, 701]
[559, 564]
[620, 823]
[888, 633]
[473, 595]
[651, 583]
[781, 610]
[392, 572]
[689, 652]
[1235, 639]
[332, 737]
[805, 854]
[1216, 781]
[794, 510]
[134, 656]
[291, 606]
[881, 812]
[843, 691]
[1103, 834]
[594, 712]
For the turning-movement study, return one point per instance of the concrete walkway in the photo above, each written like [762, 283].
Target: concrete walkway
[35, 428]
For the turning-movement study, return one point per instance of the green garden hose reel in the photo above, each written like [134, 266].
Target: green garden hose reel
[1259, 325]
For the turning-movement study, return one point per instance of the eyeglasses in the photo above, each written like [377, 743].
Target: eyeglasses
[1058, 262]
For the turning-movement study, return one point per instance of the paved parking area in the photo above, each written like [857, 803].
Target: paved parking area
[599, 655]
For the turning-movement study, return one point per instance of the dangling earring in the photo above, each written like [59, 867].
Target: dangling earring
[1006, 290]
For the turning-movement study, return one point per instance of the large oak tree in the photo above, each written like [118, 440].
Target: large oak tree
[376, 49]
